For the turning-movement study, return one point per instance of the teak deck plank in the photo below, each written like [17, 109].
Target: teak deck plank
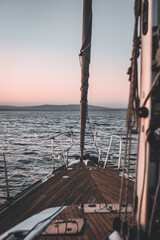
[99, 224]
[88, 186]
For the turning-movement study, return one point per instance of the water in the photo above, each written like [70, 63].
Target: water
[25, 137]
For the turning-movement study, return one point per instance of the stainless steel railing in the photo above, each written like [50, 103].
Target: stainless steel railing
[108, 141]
[63, 151]
[10, 174]
[12, 160]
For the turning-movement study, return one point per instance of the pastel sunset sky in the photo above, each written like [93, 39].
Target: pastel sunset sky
[40, 42]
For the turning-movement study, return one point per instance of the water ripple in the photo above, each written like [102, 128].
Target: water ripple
[26, 136]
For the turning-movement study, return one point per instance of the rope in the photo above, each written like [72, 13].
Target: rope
[129, 131]
[135, 182]
[122, 179]
[127, 183]
[133, 105]
[152, 86]
[132, 114]
[154, 205]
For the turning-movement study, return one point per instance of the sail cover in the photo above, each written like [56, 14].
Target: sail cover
[85, 61]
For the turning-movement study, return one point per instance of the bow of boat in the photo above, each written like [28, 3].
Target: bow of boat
[83, 191]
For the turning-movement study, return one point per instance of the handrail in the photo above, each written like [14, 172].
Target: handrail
[3, 154]
[62, 153]
[9, 176]
[107, 149]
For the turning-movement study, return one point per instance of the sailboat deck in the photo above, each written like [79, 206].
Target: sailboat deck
[98, 224]
[84, 184]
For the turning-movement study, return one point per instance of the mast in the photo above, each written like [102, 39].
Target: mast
[149, 137]
[85, 61]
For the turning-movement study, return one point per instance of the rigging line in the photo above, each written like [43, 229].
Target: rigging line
[135, 182]
[150, 91]
[133, 97]
[133, 104]
[129, 130]
[127, 183]
[154, 205]
[122, 179]
[133, 72]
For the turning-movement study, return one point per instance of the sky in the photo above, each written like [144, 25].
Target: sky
[40, 41]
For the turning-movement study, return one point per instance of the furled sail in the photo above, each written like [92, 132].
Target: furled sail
[85, 61]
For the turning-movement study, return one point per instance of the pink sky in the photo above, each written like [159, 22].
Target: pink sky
[39, 55]
[30, 78]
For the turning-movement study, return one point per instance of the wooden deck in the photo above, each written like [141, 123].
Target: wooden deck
[84, 184]
[98, 224]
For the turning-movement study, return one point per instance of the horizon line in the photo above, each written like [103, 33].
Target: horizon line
[75, 104]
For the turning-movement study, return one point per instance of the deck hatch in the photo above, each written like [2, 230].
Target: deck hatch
[65, 227]
[104, 208]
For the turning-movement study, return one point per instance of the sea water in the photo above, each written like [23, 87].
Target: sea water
[25, 139]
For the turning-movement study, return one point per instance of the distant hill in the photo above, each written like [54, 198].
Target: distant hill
[70, 107]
